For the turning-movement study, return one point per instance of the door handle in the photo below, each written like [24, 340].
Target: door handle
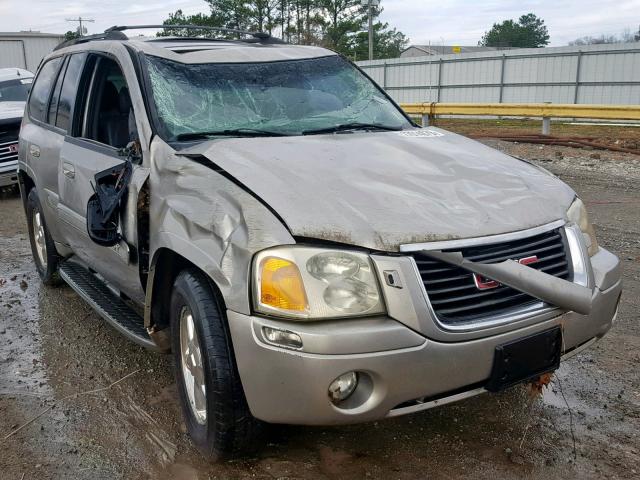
[69, 170]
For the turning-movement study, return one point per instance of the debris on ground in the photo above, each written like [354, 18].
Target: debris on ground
[536, 386]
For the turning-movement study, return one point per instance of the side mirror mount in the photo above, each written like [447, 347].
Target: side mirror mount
[103, 207]
[132, 152]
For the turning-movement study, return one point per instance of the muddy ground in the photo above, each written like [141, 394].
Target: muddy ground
[52, 347]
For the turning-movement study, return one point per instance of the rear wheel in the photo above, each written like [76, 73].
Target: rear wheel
[42, 246]
[213, 402]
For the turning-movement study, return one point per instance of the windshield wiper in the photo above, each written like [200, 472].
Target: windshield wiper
[345, 127]
[237, 132]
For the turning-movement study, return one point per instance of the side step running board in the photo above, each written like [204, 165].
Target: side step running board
[110, 307]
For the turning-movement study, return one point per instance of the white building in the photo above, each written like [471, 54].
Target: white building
[26, 49]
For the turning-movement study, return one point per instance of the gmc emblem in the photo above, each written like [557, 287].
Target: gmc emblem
[13, 148]
[484, 283]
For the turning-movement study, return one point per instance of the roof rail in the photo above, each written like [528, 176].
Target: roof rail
[260, 36]
[115, 35]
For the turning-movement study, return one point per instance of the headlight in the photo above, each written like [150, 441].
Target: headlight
[315, 283]
[577, 214]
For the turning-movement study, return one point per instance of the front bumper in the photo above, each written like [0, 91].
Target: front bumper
[8, 174]
[286, 386]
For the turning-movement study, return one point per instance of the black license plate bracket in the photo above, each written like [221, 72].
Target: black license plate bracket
[525, 359]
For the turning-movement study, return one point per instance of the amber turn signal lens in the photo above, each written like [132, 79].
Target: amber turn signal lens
[281, 285]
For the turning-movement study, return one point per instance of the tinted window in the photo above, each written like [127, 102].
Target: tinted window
[110, 116]
[39, 100]
[69, 91]
[53, 104]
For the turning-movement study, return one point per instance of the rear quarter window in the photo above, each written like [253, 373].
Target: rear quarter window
[41, 90]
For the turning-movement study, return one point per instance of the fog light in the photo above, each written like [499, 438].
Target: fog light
[283, 338]
[342, 387]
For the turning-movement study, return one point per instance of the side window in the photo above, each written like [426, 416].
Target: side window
[110, 119]
[53, 103]
[69, 91]
[41, 91]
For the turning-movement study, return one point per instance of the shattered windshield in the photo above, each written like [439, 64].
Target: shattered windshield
[280, 98]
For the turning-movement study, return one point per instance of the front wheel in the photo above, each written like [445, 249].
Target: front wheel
[42, 246]
[213, 402]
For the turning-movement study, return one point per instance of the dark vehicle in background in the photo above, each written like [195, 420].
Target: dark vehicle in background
[15, 84]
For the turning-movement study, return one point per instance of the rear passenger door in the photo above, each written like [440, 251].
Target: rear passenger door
[103, 123]
[41, 141]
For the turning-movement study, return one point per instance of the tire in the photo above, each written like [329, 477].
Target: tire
[228, 429]
[43, 249]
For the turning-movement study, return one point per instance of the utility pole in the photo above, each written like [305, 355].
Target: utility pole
[80, 20]
[370, 30]
[371, 4]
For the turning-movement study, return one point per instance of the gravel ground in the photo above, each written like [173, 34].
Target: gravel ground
[52, 347]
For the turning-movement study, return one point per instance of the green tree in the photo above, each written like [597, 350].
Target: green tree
[234, 13]
[347, 31]
[179, 18]
[265, 14]
[343, 17]
[388, 43]
[335, 24]
[528, 32]
[71, 35]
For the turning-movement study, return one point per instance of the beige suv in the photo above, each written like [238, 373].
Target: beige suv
[309, 255]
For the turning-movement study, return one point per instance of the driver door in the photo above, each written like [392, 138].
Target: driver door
[104, 123]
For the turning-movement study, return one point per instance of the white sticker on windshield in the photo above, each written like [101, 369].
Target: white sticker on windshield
[25, 81]
[421, 133]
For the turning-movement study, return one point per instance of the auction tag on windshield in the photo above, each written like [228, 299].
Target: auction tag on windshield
[421, 133]
[25, 81]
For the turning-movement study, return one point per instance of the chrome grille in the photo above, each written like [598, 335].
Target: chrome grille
[454, 295]
[6, 152]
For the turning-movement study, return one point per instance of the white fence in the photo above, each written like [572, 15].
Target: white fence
[600, 74]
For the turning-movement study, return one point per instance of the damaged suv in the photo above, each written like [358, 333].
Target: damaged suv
[270, 216]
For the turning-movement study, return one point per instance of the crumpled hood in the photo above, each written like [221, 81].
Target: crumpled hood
[11, 110]
[382, 190]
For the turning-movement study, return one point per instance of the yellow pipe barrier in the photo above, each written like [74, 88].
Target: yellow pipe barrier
[549, 110]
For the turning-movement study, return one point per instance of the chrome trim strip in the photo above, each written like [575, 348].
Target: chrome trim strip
[468, 242]
[396, 412]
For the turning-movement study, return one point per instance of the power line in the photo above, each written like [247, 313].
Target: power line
[80, 20]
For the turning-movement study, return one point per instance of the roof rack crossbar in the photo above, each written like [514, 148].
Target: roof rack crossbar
[257, 35]
[108, 35]
[116, 33]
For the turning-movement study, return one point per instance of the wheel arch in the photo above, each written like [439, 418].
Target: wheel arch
[164, 267]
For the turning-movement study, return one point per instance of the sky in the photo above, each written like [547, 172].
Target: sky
[449, 22]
